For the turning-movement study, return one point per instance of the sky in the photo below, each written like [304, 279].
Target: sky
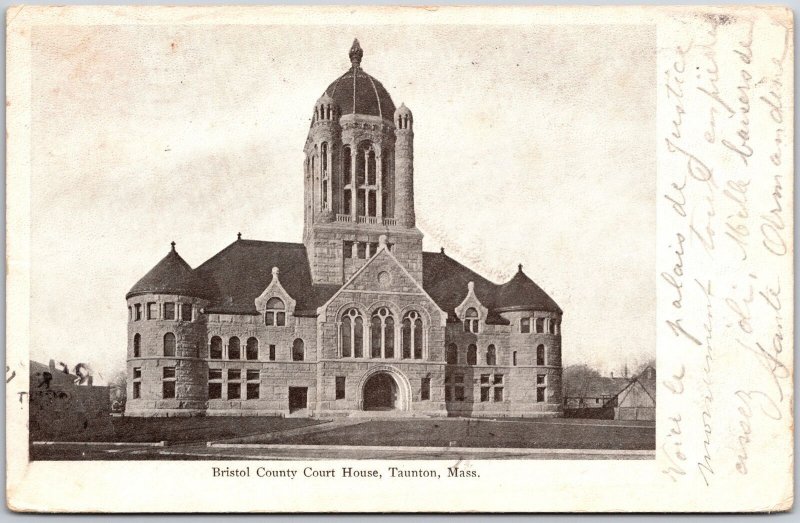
[533, 145]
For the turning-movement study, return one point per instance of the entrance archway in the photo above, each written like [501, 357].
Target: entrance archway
[380, 392]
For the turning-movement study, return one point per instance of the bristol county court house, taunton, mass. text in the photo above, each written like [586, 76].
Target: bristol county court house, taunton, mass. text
[357, 317]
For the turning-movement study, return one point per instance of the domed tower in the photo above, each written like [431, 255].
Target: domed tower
[359, 178]
[166, 367]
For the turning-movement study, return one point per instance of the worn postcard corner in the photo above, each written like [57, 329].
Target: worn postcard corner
[486, 257]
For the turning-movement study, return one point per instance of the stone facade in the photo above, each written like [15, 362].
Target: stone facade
[357, 318]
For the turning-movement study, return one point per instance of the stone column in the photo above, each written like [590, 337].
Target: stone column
[379, 183]
[353, 182]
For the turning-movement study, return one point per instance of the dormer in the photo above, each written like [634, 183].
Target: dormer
[275, 304]
[471, 311]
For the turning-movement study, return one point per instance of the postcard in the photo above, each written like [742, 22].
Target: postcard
[385, 259]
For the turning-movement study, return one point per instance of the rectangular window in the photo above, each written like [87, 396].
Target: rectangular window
[272, 353]
[362, 250]
[340, 387]
[541, 387]
[498, 393]
[498, 379]
[215, 391]
[425, 389]
[373, 248]
[348, 249]
[459, 392]
[169, 311]
[214, 384]
[252, 391]
[130, 313]
[168, 391]
[186, 311]
[539, 325]
[138, 311]
[137, 390]
[169, 372]
[234, 391]
[152, 311]
[525, 325]
[137, 373]
[514, 358]
[484, 378]
[253, 375]
[234, 374]
[485, 394]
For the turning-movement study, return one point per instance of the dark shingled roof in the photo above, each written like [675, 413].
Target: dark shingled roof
[241, 271]
[234, 277]
[356, 92]
[521, 293]
[172, 275]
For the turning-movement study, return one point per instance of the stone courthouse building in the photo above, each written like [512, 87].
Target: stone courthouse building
[357, 317]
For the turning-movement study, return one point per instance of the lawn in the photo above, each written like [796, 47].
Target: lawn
[179, 430]
[553, 434]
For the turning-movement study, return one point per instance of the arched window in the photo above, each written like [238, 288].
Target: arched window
[215, 350]
[472, 354]
[471, 320]
[347, 166]
[382, 334]
[540, 355]
[137, 345]
[234, 352]
[514, 358]
[451, 356]
[324, 169]
[169, 344]
[366, 203]
[298, 350]
[276, 313]
[352, 334]
[412, 335]
[540, 325]
[251, 350]
[491, 355]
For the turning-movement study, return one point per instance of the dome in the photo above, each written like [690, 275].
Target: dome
[172, 275]
[521, 293]
[356, 92]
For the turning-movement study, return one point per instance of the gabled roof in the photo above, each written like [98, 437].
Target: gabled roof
[595, 387]
[521, 293]
[234, 277]
[241, 271]
[446, 281]
[172, 275]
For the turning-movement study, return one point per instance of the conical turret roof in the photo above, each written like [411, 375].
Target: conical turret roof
[172, 275]
[521, 293]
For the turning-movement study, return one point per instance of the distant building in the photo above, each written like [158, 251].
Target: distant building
[613, 398]
[355, 318]
[63, 406]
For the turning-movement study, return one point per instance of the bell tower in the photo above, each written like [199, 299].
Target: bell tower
[359, 178]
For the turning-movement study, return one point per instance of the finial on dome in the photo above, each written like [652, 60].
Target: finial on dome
[442, 248]
[519, 267]
[275, 272]
[356, 53]
[173, 246]
[238, 236]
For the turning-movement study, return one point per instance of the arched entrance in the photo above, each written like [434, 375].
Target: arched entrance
[380, 392]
